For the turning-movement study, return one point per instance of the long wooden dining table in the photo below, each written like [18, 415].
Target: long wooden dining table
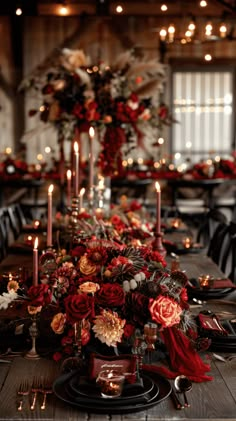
[209, 400]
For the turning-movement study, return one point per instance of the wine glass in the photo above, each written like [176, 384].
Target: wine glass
[150, 336]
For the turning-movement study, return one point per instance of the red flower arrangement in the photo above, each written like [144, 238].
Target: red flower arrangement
[121, 100]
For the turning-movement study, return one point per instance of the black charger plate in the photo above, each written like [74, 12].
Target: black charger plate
[82, 387]
[208, 293]
[225, 343]
[62, 390]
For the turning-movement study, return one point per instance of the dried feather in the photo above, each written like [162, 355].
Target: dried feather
[147, 88]
[123, 60]
[84, 77]
[139, 68]
[42, 127]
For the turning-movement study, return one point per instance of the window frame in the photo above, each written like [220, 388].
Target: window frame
[195, 65]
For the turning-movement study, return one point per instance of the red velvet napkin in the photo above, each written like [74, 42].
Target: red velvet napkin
[184, 359]
[222, 283]
[211, 324]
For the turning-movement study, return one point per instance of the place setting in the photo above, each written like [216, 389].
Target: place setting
[110, 388]
[207, 287]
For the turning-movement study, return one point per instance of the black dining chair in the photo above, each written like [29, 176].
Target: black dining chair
[216, 241]
[227, 258]
[207, 228]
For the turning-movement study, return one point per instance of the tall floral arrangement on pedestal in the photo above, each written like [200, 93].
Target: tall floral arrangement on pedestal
[122, 100]
[128, 94]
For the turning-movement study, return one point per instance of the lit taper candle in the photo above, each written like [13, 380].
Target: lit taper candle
[76, 169]
[35, 262]
[158, 208]
[49, 230]
[91, 156]
[68, 176]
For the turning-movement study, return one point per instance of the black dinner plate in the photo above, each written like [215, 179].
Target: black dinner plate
[159, 392]
[81, 386]
[225, 343]
[207, 294]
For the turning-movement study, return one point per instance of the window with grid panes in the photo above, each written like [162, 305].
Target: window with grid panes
[202, 103]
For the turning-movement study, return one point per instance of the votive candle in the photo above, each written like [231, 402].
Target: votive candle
[35, 262]
[49, 225]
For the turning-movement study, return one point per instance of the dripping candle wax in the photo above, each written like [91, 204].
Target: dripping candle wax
[49, 226]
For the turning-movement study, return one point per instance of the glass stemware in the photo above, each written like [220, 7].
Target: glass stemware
[150, 336]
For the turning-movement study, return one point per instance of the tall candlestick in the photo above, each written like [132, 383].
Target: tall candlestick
[101, 189]
[158, 208]
[49, 226]
[35, 262]
[81, 195]
[91, 157]
[68, 175]
[76, 169]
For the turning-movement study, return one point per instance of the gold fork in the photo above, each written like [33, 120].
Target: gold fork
[36, 387]
[23, 391]
[46, 390]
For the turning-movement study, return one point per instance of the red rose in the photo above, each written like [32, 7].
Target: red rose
[67, 340]
[78, 251]
[110, 295]
[165, 311]
[136, 308]
[39, 295]
[57, 356]
[129, 330]
[78, 307]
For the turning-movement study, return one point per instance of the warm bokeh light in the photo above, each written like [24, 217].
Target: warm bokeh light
[119, 9]
[19, 11]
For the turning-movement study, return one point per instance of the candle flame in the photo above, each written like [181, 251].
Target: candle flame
[68, 174]
[91, 132]
[82, 191]
[76, 147]
[50, 188]
[36, 242]
[101, 182]
[158, 188]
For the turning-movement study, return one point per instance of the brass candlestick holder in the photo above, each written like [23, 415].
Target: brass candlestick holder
[33, 330]
[157, 244]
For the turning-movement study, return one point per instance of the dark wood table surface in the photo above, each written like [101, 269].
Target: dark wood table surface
[211, 400]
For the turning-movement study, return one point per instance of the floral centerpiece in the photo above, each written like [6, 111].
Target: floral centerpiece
[122, 101]
[102, 292]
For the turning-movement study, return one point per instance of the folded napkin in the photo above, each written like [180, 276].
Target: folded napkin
[210, 325]
[222, 283]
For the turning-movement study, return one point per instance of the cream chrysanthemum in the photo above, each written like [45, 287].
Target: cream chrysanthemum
[108, 327]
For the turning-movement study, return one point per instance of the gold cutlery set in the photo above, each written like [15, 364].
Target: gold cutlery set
[38, 386]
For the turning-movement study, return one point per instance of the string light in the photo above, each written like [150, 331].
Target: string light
[119, 9]
[208, 57]
[19, 11]
[163, 33]
[203, 3]
[171, 32]
[63, 9]
[164, 7]
[223, 30]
